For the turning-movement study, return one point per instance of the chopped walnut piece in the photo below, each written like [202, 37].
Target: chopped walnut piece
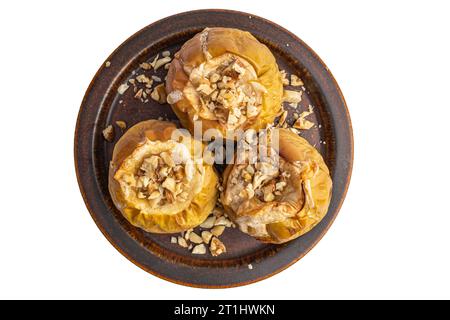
[173, 240]
[108, 133]
[145, 65]
[217, 230]
[122, 88]
[195, 238]
[121, 124]
[292, 97]
[222, 221]
[302, 123]
[282, 119]
[161, 62]
[199, 249]
[296, 81]
[182, 242]
[174, 96]
[284, 78]
[209, 222]
[206, 236]
[159, 94]
[142, 78]
[217, 247]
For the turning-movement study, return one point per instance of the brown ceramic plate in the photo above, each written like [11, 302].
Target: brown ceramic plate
[102, 105]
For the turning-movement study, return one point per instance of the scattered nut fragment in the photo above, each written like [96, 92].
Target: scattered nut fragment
[217, 247]
[159, 94]
[217, 230]
[292, 97]
[142, 78]
[223, 221]
[121, 124]
[206, 236]
[209, 222]
[187, 234]
[154, 60]
[284, 78]
[108, 133]
[107, 64]
[302, 123]
[159, 63]
[296, 81]
[122, 88]
[199, 249]
[250, 266]
[282, 119]
[218, 212]
[145, 65]
[165, 53]
[195, 238]
[156, 78]
[173, 240]
[182, 242]
[174, 96]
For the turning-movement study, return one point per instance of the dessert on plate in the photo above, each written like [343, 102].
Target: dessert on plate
[155, 181]
[281, 196]
[226, 79]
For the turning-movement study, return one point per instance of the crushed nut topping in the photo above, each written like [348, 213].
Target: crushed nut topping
[227, 90]
[161, 180]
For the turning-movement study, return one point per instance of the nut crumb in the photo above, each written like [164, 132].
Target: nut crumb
[121, 124]
[182, 242]
[250, 266]
[296, 81]
[145, 65]
[223, 221]
[206, 236]
[107, 64]
[122, 88]
[173, 240]
[199, 249]
[217, 230]
[209, 222]
[195, 238]
[217, 247]
[108, 133]
[284, 78]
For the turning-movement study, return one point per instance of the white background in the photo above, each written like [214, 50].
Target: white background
[392, 236]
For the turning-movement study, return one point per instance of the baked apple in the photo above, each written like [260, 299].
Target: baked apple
[281, 197]
[226, 79]
[155, 182]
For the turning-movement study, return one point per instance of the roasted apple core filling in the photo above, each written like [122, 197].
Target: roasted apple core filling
[263, 182]
[159, 175]
[225, 89]
[161, 181]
